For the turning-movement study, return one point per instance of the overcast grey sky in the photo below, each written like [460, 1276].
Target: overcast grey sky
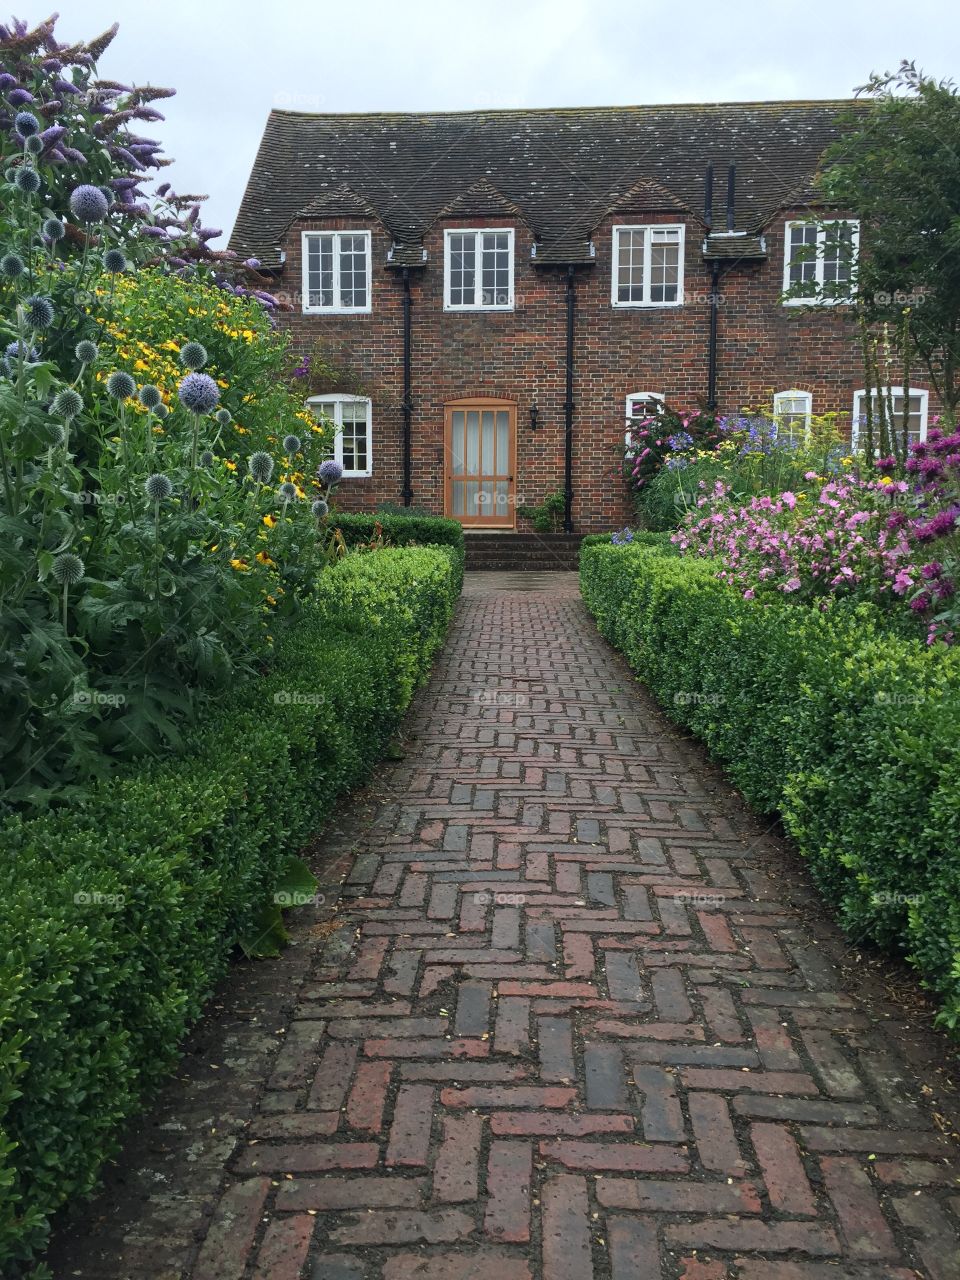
[231, 61]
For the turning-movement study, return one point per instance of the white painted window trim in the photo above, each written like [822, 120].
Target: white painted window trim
[332, 406]
[639, 395]
[477, 232]
[858, 409]
[336, 309]
[854, 223]
[646, 228]
[805, 396]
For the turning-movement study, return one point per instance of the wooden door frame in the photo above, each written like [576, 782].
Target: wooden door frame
[479, 402]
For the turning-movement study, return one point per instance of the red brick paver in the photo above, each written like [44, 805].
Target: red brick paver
[566, 1030]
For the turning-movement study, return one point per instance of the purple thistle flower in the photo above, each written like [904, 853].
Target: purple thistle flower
[88, 203]
[199, 393]
[330, 471]
[26, 124]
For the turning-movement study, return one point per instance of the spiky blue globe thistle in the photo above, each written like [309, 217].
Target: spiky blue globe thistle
[120, 385]
[68, 569]
[17, 351]
[330, 471]
[287, 491]
[222, 416]
[26, 124]
[109, 195]
[260, 466]
[319, 508]
[199, 393]
[114, 260]
[12, 266]
[54, 229]
[158, 487]
[10, 174]
[57, 434]
[161, 411]
[33, 145]
[66, 403]
[149, 396]
[291, 444]
[38, 311]
[193, 355]
[86, 351]
[27, 180]
[206, 458]
[88, 203]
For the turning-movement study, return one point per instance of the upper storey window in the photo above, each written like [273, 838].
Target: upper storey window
[647, 266]
[478, 270]
[820, 260]
[336, 272]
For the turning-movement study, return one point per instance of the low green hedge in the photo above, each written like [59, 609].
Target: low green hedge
[402, 531]
[851, 733]
[641, 538]
[119, 916]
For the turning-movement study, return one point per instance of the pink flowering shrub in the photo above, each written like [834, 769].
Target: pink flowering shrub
[894, 542]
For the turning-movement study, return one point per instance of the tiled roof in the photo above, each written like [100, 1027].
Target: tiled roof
[725, 247]
[562, 170]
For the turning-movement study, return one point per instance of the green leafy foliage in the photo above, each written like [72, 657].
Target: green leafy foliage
[401, 531]
[851, 732]
[546, 516]
[142, 567]
[897, 168]
[125, 908]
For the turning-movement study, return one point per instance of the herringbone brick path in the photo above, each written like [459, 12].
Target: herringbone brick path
[566, 1031]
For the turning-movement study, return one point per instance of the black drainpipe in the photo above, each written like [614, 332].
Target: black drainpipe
[712, 346]
[568, 414]
[715, 275]
[407, 401]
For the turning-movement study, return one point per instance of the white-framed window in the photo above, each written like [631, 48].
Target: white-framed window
[819, 261]
[336, 272]
[352, 417]
[641, 406]
[918, 406]
[792, 411]
[647, 266]
[478, 269]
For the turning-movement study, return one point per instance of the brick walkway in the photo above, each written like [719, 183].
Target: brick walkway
[566, 1031]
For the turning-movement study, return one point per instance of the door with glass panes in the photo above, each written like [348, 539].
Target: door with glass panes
[480, 458]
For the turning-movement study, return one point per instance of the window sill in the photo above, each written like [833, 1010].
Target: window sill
[646, 306]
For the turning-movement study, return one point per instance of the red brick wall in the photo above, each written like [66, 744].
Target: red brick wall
[519, 355]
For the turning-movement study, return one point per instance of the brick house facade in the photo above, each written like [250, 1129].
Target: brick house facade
[561, 183]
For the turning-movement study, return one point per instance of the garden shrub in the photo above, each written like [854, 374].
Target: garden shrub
[848, 730]
[125, 907]
[401, 531]
[156, 463]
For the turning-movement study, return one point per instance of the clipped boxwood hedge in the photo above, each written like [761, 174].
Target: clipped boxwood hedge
[402, 530]
[118, 916]
[850, 732]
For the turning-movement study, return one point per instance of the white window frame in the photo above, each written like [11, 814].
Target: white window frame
[639, 395]
[795, 394]
[332, 406]
[313, 309]
[820, 301]
[860, 396]
[647, 228]
[477, 232]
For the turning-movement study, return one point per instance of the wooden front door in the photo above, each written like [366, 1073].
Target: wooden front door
[480, 458]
